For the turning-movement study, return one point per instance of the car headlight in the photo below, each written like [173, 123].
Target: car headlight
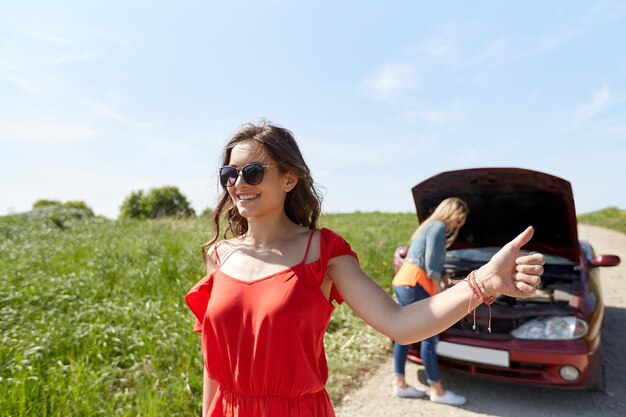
[552, 328]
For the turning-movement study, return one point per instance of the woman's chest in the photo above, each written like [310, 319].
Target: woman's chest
[281, 299]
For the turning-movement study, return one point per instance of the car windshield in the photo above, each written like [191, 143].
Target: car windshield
[483, 255]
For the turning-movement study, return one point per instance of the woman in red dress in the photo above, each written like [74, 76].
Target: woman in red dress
[264, 305]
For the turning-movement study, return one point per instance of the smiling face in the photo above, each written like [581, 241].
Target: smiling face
[266, 197]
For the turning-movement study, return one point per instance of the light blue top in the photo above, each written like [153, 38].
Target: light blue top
[428, 249]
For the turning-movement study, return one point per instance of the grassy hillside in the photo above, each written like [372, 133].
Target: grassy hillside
[93, 320]
[610, 217]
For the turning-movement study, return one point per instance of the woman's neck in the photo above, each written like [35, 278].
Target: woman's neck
[267, 230]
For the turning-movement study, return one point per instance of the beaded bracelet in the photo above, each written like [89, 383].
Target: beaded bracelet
[473, 284]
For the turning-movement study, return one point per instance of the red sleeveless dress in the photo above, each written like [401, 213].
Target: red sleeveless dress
[263, 341]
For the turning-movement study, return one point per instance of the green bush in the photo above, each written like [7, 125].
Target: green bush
[81, 205]
[53, 206]
[57, 216]
[167, 202]
[54, 213]
[132, 206]
[45, 203]
[157, 203]
[610, 217]
[207, 212]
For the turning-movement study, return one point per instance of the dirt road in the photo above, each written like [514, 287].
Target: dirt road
[486, 398]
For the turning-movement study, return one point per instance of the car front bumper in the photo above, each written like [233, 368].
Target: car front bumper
[535, 362]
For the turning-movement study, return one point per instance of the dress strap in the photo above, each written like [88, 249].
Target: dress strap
[216, 257]
[308, 245]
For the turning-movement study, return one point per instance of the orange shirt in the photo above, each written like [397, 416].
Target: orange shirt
[411, 274]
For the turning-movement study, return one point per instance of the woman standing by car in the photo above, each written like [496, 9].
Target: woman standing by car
[420, 278]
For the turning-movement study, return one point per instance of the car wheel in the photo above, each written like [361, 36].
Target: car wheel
[421, 377]
[598, 383]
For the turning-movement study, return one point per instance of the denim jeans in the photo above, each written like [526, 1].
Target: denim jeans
[407, 295]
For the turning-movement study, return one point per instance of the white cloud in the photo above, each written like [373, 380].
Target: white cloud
[111, 112]
[18, 81]
[356, 153]
[605, 135]
[369, 154]
[478, 79]
[392, 81]
[432, 117]
[48, 37]
[451, 116]
[115, 39]
[495, 53]
[554, 41]
[443, 42]
[104, 111]
[438, 47]
[164, 149]
[36, 131]
[597, 14]
[56, 61]
[494, 47]
[598, 103]
[451, 42]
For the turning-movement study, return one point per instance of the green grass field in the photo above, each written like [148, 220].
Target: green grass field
[610, 217]
[93, 320]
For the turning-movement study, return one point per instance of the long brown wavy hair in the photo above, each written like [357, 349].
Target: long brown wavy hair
[302, 204]
[452, 208]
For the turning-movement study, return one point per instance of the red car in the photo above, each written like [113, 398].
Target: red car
[552, 338]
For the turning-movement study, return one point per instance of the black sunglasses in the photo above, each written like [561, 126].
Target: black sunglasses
[252, 173]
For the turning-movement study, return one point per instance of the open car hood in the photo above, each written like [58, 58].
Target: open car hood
[502, 203]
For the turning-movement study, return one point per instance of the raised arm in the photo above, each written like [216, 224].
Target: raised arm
[506, 273]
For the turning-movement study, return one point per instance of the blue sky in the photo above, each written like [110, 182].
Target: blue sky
[100, 98]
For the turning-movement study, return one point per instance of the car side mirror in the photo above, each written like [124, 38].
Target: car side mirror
[606, 260]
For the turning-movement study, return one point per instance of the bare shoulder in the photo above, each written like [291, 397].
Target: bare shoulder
[208, 257]
[301, 232]
[225, 246]
[222, 249]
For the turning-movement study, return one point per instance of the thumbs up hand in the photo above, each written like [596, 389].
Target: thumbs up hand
[509, 273]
